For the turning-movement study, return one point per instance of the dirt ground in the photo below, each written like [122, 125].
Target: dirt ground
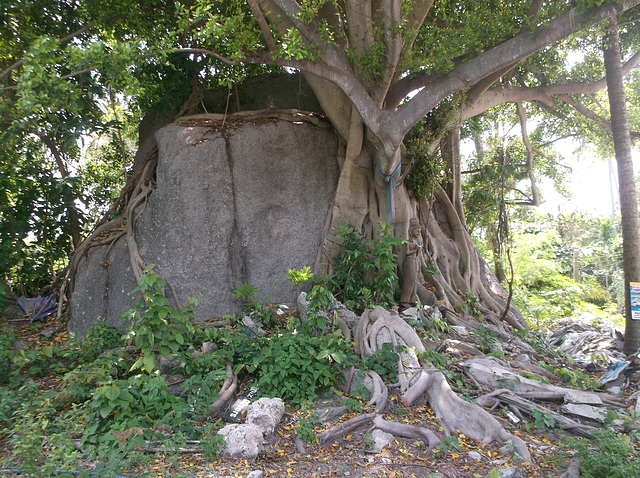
[352, 457]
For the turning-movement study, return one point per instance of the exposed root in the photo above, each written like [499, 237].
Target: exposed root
[407, 431]
[380, 393]
[334, 433]
[227, 391]
[454, 413]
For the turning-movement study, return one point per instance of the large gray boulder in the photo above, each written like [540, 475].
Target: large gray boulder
[231, 206]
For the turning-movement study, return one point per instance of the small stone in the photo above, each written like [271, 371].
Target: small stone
[19, 345]
[209, 347]
[48, 332]
[475, 456]
[256, 474]
[410, 311]
[511, 472]
[524, 358]
[380, 440]
[265, 413]
[242, 441]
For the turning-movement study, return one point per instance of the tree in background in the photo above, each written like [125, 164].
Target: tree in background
[626, 183]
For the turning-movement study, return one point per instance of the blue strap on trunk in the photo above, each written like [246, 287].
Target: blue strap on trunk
[389, 186]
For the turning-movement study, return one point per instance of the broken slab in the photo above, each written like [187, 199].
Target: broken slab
[585, 411]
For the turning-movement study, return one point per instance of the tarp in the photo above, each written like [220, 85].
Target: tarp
[39, 307]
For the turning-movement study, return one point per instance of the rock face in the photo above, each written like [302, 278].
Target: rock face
[233, 206]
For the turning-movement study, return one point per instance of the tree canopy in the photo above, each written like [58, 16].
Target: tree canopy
[381, 69]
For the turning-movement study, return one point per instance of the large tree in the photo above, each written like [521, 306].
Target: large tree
[626, 181]
[379, 68]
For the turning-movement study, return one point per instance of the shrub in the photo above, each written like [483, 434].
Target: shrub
[364, 273]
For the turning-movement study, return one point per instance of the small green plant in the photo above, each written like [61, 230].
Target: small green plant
[486, 339]
[304, 427]
[156, 327]
[353, 405]
[293, 366]
[298, 276]
[364, 273]
[471, 304]
[609, 455]
[576, 378]
[450, 443]
[431, 270]
[384, 362]
[259, 312]
[433, 323]
[320, 299]
[359, 390]
[513, 448]
[543, 420]
[245, 292]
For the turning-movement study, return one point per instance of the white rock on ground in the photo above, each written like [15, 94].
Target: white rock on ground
[245, 440]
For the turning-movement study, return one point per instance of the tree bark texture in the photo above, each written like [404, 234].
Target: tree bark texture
[628, 195]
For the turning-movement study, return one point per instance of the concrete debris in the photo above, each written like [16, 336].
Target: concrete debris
[592, 343]
[246, 440]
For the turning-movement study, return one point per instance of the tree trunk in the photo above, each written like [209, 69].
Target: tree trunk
[628, 195]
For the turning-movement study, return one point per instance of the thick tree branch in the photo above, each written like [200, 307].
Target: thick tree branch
[262, 23]
[509, 52]
[509, 93]
[393, 48]
[61, 41]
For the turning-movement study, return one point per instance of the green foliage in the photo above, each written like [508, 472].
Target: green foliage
[255, 309]
[364, 273]
[304, 427]
[245, 292]
[297, 366]
[320, 300]
[428, 166]
[384, 362]
[576, 378]
[543, 263]
[543, 420]
[471, 304]
[297, 277]
[486, 339]
[156, 326]
[450, 443]
[610, 455]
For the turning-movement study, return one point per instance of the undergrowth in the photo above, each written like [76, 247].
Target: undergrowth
[110, 402]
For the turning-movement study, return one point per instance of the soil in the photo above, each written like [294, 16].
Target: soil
[352, 457]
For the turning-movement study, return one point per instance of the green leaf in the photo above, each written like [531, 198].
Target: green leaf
[149, 362]
[112, 392]
[105, 410]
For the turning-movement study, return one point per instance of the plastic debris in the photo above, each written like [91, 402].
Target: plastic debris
[39, 307]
